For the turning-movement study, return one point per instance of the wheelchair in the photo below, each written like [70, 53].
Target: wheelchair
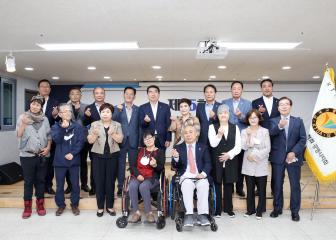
[176, 205]
[159, 201]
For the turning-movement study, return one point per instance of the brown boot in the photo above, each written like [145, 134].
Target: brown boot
[40, 207]
[59, 211]
[150, 217]
[136, 217]
[27, 209]
[75, 210]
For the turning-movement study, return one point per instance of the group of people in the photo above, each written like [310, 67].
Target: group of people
[223, 144]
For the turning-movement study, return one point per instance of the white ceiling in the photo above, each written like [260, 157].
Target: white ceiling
[168, 24]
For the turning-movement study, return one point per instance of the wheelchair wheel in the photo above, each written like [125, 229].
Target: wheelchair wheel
[161, 222]
[179, 224]
[214, 227]
[212, 201]
[122, 222]
[166, 198]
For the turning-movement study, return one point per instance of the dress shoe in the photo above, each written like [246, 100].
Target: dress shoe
[60, 211]
[100, 214]
[50, 191]
[241, 193]
[275, 213]
[111, 212]
[119, 193]
[92, 192]
[67, 190]
[295, 217]
[75, 210]
[85, 188]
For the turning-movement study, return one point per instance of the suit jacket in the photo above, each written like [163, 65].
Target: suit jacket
[80, 117]
[295, 141]
[48, 112]
[95, 116]
[266, 117]
[130, 130]
[244, 106]
[205, 123]
[161, 124]
[203, 160]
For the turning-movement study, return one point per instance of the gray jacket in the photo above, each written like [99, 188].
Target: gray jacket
[259, 147]
[32, 140]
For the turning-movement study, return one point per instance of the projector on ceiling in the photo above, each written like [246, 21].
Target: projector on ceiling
[211, 50]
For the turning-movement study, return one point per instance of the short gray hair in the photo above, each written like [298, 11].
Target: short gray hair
[65, 105]
[223, 108]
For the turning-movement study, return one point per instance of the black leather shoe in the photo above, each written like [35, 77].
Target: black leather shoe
[85, 188]
[275, 213]
[100, 214]
[67, 190]
[92, 192]
[119, 193]
[50, 191]
[295, 217]
[241, 193]
[112, 213]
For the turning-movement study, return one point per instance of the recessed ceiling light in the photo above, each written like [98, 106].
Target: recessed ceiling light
[55, 78]
[259, 45]
[316, 77]
[221, 67]
[265, 77]
[29, 69]
[134, 79]
[234, 79]
[91, 68]
[88, 46]
[107, 77]
[286, 67]
[156, 67]
[184, 79]
[212, 77]
[158, 77]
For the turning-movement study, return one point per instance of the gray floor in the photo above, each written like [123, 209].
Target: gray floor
[88, 226]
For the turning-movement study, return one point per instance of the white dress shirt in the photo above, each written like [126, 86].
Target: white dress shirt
[235, 104]
[154, 109]
[269, 104]
[97, 107]
[215, 140]
[208, 108]
[45, 104]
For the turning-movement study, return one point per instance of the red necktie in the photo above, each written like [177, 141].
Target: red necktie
[191, 160]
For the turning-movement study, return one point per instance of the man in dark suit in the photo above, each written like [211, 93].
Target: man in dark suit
[206, 112]
[192, 161]
[267, 105]
[155, 116]
[127, 114]
[289, 140]
[91, 115]
[51, 112]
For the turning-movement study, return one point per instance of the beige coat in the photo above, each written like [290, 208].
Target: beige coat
[259, 145]
[99, 144]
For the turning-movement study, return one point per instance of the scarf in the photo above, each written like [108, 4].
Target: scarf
[35, 119]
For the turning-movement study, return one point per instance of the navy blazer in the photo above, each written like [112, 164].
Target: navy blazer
[205, 123]
[203, 160]
[244, 106]
[266, 117]
[95, 116]
[161, 124]
[130, 130]
[296, 140]
[48, 112]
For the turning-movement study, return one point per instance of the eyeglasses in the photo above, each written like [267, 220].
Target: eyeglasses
[148, 138]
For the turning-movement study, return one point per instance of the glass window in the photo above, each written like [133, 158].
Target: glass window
[8, 104]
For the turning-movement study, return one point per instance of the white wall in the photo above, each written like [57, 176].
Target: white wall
[8, 140]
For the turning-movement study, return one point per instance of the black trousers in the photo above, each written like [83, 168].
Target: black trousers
[104, 174]
[260, 182]
[240, 182]
[34, 173]
[50, 168]
[228, 187]
[83, 167]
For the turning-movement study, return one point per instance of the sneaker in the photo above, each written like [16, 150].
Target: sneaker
[259, 216]
[136, 217]
[203, 219]
[218, 216]
[150, 217]
[188, 220]
[247, 214]
[231, 214]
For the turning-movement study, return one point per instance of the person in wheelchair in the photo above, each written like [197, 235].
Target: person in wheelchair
[192, 161]
[145, 174]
